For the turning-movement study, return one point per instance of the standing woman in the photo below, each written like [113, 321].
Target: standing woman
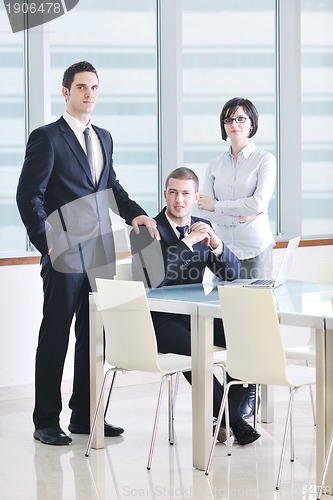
[237, 188]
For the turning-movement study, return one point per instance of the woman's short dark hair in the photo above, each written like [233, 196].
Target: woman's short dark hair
[184, 174]
[78, 67]
[230, 108]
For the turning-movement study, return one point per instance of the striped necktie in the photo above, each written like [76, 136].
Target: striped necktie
[90, 153]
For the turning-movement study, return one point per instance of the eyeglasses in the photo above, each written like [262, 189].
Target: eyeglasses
[237, 119]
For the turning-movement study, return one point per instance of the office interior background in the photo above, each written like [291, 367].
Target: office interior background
[166, 68]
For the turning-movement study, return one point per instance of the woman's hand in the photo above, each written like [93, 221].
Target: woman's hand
[206, 203]
[246, 218]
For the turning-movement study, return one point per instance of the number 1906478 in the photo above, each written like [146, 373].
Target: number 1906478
[34, 8]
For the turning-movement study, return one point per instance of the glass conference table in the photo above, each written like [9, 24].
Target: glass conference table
[299, 303]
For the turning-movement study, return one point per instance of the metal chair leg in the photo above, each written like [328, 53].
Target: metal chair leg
[327, 460]
[152, 444]
[312, 400]
[219, 420]
[278, 482]
[313, 405]
[223, 408]
[255, 413]
[292, 442]
[99, 403]
[175, 391]
[227, 418]
[171, 412]
[109, 395]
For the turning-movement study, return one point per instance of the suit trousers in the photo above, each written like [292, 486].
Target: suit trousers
[65, 295]
[173, 335]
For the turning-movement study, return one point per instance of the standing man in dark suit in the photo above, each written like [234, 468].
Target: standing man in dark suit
[66, 187]
[187, 246]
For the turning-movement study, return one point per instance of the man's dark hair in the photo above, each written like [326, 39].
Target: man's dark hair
[184, 174]
[78, 67]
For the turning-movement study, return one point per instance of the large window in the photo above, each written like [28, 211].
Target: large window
[228, 51]
[12, 134]
[317, 117]
[119, 38]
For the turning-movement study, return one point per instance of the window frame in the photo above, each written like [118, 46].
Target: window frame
[170, 102]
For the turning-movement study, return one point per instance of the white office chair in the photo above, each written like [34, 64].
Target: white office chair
[256, 352]
[131, 343]
[123, 272]
[307, 352]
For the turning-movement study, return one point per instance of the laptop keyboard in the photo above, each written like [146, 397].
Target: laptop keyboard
[262, 282]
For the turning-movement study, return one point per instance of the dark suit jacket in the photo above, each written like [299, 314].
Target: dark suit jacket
[60, 205]
[171, 262]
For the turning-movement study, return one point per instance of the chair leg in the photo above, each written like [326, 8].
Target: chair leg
[278, 482]
[171, 412]
[224, 407]
[99, 403]
[255, 414]
[152, 444]
[227, 427]
[219, 420]
[327, 460]
[175, 391]
[312, 400]
[292, 442]
[313, 405]
[227, 417]
[109, 395]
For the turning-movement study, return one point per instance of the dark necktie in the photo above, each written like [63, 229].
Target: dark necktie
[183, 230]
[90, 153]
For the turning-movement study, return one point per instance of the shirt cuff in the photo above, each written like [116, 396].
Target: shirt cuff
[218, 250]
[188, 246]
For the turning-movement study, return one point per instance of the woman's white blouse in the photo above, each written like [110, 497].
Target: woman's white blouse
[244, 189]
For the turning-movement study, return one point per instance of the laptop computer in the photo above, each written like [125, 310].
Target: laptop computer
[282, 275]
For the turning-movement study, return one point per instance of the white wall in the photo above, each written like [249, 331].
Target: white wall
[307, 262]
[21, 309]
[305, 266]
[21, 299]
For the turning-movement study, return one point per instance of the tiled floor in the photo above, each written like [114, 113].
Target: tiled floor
[30, 470]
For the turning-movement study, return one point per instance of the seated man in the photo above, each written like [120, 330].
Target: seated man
[187, 246]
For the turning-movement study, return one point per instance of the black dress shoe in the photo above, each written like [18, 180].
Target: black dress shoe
[246, 408]
[52, 435]
[109, 429]
[244, 433]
